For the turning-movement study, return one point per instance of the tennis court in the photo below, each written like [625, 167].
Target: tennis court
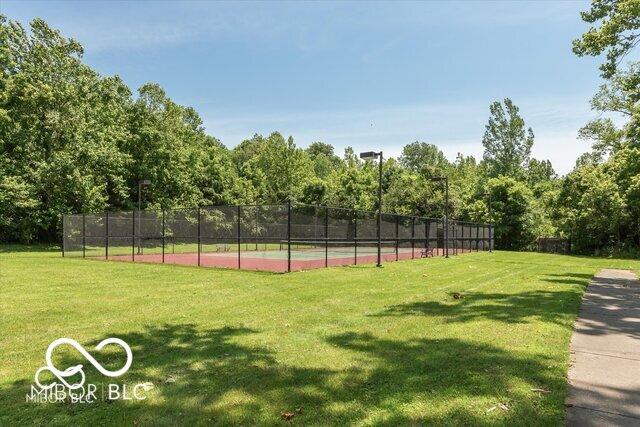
[278, 238]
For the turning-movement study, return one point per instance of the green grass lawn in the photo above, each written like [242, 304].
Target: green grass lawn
[343, 345]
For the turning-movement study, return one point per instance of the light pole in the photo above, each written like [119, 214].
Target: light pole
[373, 155]
[140, 184]
[488, 194]
[446, 211]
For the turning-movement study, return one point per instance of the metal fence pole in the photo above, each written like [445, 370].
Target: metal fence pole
[462, 238]
[238, 235]
[427, 224]
[397, 236]
[133, 234]
[289, 236]
[84, 236]
[379, 264]
[355, 237]
[62, 243]
[163, 236]
[413, 236]
[106, 246]
[454, 230]
[445, 229]
[199, 240]
[490, 237]
[444, 237]
[466, 237]
[456, 237]
[326, 236]
[456, 241]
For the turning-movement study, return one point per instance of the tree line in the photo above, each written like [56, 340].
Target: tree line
[72, 140]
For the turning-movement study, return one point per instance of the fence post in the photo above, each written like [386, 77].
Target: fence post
[163, 238]
[106, 245]
[490, 237]
[397, 236]
[238, 234]
[454, 231]
[326, 236]
[379, 264]
[355, 237]
[455, 235]
[444, 239]
[62, 243]
[288, 235]
[256, 228]
[427, 225]
[84, 236]
[199, 236]
[413, 236]
[462, 237]
[133, 234]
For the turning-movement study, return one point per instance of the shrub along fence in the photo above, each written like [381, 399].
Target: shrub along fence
[280, 238]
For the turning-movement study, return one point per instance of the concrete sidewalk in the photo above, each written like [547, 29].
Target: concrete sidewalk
[604, 377]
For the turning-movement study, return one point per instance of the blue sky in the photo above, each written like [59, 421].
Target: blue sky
[366, 75]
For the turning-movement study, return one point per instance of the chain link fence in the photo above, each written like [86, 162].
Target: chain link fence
[277, 238]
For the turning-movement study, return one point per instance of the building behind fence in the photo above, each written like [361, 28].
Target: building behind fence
[276, 238]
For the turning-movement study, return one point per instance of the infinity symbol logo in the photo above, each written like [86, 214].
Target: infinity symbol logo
[73, 370]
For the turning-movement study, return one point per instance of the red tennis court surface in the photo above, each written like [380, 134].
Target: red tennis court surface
[248, 261]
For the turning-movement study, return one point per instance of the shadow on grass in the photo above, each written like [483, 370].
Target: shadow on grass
[581, 279]
[217, 377]
[556, 307]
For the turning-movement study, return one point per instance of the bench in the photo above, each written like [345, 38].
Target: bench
[426, 253]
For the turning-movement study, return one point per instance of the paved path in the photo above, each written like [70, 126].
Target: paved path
[604, 377]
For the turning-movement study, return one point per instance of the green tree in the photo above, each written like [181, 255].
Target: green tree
[246, 150]
[590, 210]
[620, 96]
[617, 34]
[506, 141]
[354, 185]
[540, 171]
[424, 158]
[74, 141]
[514, 213]
[324, 158]
[624, 168]
[61, 129]
[186, 167]
[279, 170]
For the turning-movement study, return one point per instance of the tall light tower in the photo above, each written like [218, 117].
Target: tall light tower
[367, 155]
[141, 183]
